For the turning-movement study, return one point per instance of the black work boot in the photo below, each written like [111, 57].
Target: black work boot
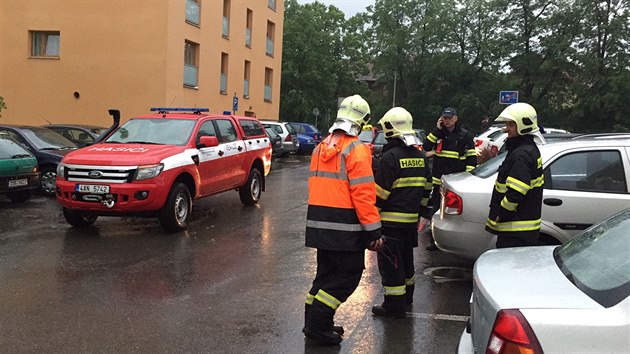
[322, 338]
[381, 311]
[337, 329]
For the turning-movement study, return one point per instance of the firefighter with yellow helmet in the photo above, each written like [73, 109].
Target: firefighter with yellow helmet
[341, 221]
[403, 186]
[515, 207]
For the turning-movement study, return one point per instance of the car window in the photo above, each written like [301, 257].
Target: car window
[46, 139]
[290, 129]
[380, 139]
[496, 134]
[366, 136]
[597, 261]
[298, 128]
[227, 132]
[587, 171]
[10, 149]
[489, 167]
[251, 128]
[206, 129]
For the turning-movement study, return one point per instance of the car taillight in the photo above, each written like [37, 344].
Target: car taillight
[289, 138]
[512, 333]
[478, 142]
[452, 203]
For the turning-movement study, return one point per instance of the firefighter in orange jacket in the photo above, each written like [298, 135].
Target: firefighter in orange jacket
[342, 220]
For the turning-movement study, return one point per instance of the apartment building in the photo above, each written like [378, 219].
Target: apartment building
[69, 61]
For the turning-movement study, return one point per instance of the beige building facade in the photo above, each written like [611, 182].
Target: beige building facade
[69, 61]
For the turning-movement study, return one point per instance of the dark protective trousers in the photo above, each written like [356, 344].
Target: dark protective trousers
[396, 266]
[507, 241]
[338, 275]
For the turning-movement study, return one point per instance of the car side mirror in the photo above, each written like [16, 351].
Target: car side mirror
[208, 141]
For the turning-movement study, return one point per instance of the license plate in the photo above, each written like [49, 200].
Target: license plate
[18, 182]
[92, 188]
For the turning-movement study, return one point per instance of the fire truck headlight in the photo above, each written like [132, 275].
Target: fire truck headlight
[148, 171]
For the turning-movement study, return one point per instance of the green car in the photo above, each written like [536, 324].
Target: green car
[19, 174]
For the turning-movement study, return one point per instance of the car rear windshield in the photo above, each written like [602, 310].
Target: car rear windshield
[597, 260]
[366, 136]
[154, 131]
[489, 167]
[11, 150]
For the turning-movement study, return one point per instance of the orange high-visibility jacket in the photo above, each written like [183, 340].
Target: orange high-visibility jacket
[341, 196]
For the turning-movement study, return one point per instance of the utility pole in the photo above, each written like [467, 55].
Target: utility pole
[394, 95]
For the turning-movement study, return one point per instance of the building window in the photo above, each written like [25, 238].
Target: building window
[271, 31]
[226, 18]
[191, 68]
[192, 12]
[268, 84]
[272, 4]
[45, 43]
[224, 73]
[248, 65]
[248, 28]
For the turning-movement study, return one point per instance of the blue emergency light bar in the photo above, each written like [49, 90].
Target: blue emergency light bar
[179, 109]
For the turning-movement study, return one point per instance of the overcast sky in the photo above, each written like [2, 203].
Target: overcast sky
[348, 7]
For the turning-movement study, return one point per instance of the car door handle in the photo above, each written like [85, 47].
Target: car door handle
[552, 201]
[240, 148]
[221, 152]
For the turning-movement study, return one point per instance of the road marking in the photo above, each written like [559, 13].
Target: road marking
[437, 316]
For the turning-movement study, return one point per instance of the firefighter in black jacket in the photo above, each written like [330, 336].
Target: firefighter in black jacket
[403, 186]
[453, 150]
[516, 202]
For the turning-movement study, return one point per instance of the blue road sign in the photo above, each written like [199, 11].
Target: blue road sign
[235, 104]
[508, 97]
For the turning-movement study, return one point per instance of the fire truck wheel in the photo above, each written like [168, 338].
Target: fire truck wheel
[176, 212]
[78, 220]
[250, 192]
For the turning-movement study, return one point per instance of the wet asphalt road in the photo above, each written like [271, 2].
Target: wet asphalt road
[234, 282]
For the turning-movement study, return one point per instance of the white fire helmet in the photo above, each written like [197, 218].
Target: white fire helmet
[353, 113]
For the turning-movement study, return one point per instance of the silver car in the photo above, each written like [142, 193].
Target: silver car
[287, 133]
[586, 181]
[573, 298]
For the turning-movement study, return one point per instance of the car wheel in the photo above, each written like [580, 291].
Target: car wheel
[250, 192]
[78, 220]
[176, 212]
[47, 183]
[20, 196]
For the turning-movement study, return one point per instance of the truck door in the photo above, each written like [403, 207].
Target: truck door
[231, 151]
[211, 163]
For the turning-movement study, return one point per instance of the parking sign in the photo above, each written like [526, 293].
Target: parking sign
[508, 97]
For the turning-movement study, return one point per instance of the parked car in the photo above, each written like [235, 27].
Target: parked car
[497, 142]
[482, 140]
[80, 134]
[287, 133]
[586, 181]
[157, 164]
[377, 144]
[307, 144]
[308, 130]
[19, 174]
[421, 134]
[47, 146]
[573, 298]
[277, 148]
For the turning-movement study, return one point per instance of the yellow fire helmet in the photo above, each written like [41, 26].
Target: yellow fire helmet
[398, 123]
[523, 114]
[353, 114]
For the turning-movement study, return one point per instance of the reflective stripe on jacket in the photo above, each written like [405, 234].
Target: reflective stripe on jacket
[341, 213]
[403, 184]
[454, 152]
[517, 195]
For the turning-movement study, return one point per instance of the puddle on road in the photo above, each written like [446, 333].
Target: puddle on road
[446, 274]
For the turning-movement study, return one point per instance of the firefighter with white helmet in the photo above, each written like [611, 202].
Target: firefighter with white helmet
[515, 207]
[341, 220]
[403, 186]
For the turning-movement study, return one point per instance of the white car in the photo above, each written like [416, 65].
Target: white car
[572, 298]
[482, 140]
[586, 181]
[496, 141]
[286, 132]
